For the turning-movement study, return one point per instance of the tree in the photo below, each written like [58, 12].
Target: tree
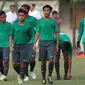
[3, 3]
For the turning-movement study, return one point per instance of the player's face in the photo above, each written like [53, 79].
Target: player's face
[21, 16]
[3, 18]
[46, 12]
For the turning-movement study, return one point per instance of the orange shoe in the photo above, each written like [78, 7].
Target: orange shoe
[81, 55]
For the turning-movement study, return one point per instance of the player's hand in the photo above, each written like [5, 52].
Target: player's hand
[78, 46]
[69, 76]
[11, 49]
[57, 50]
[34, 47]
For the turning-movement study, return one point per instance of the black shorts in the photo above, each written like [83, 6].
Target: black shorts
[4, 53]
[20, 53]
[47, 50]
[31, 53]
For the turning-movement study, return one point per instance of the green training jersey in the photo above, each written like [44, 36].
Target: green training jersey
[47, 29]
[65, 38]
[81, 31]
[32, 24]
[20, 33]
[5, 30]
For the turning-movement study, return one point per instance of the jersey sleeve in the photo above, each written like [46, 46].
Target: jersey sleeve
[32, 31]
[35, 23]
[80, 30]
[38, 26]
[12, 30]
[56, 27]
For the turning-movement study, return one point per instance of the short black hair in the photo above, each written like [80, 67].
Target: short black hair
[54, 12]
[21, 11]
[2, 12]
[48, 6]
[12, 6]
[26, 6]
[33, 5]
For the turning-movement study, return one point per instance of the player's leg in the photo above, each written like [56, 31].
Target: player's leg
[6, 53]
[16, 59]
[57, 64]
[69, 69]
[32, 55]
[84, 48]
[51, 53]
[65, 48]
[1, 67]
[43, 71]
[16, 62]
[65, 64]
[23, 60]
[43, 58]
[50, 70]
[32, 66]
[16, 67]
[70, 62]
[26, 78]
[1, 63]
[22, 70]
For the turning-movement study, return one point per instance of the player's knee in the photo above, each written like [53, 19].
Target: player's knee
[5, 61]
[57, 59]
[43, 62]
[50, 61]
[21, 65]
[32, 60]
[15, 64]
[66, 58]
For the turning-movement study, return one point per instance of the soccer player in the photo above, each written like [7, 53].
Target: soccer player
[31, 54]
[66, 47]
[81, 34]
[47, 32]
[19, 37]
[5, 29]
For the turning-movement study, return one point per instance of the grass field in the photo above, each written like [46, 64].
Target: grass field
[78, 72]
